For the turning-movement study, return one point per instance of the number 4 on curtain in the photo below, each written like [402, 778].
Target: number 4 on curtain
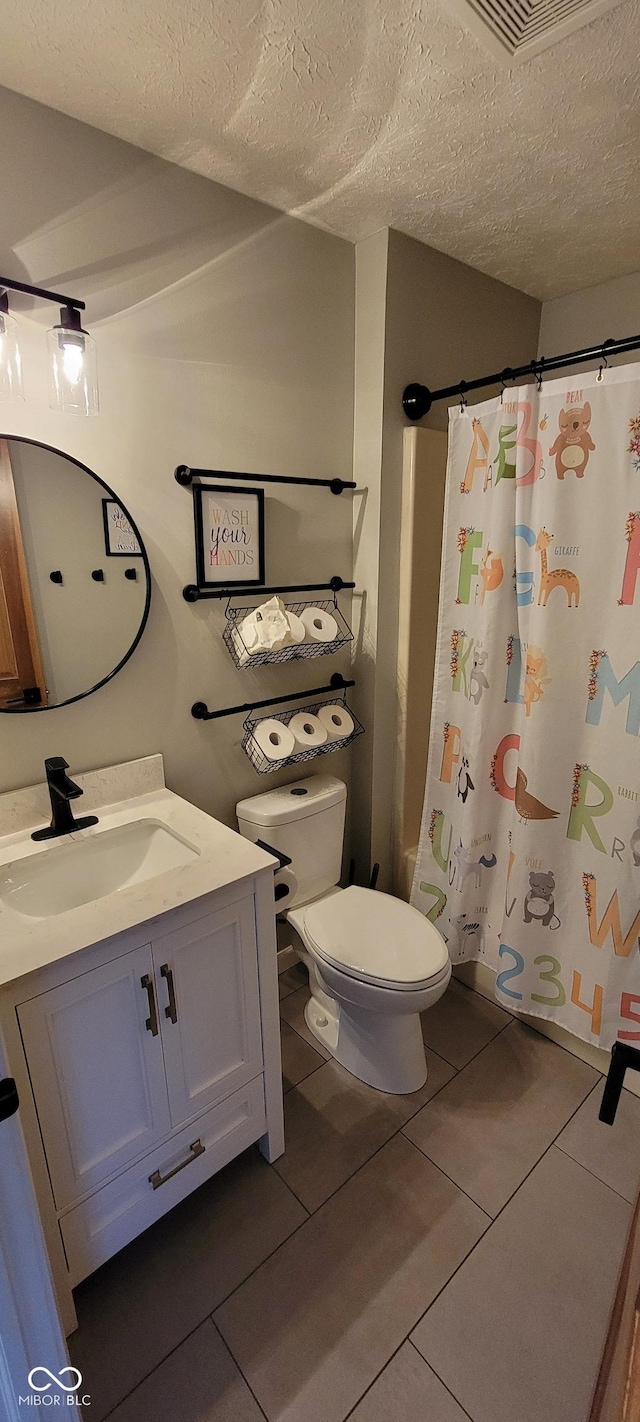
[594, 1010]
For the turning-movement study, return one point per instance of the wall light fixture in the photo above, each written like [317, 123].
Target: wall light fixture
[73, 368]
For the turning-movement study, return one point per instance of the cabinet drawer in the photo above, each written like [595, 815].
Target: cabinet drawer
[114, 1215]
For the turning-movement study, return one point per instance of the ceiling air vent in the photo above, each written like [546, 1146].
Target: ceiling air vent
[516, 30]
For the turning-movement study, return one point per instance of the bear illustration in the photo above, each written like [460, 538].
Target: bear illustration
[573, 445]
[539, 903]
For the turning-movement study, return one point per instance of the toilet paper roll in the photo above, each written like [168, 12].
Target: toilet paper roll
[337, 722]
[297, 629]
[319, 626]
[308, 730]
[275, 739]
[285, 886]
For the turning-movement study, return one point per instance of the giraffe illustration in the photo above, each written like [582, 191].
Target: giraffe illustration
[557, 577]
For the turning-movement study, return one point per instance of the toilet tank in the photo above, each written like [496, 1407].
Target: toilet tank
[305, 820]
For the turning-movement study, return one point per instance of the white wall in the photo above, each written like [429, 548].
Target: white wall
[225, 340]
[585, 318]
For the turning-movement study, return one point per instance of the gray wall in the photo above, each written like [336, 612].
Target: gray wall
[584, 318]
[225, 340]
[439, 322]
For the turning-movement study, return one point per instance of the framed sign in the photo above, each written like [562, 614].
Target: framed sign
[229, 535]
[120, 540]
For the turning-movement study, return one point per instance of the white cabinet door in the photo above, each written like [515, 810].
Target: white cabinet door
[207, 976]
[31, 1333]
[95, 1057]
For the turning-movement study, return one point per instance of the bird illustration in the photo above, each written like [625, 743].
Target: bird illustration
[527, 806]
[464, 782]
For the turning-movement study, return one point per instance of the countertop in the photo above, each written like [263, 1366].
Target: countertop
[224, 858]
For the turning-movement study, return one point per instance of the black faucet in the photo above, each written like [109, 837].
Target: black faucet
[61, 791]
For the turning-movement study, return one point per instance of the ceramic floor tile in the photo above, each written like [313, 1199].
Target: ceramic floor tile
[408, 1391]
[334, 1123]
[199, 1382]
[315, 1324]
[145, 1300]
[490, 1125]
[291, 979]
[461, 1024]
[292, 1011]
[298, 1058]
[610, 1152]
[517, 1334]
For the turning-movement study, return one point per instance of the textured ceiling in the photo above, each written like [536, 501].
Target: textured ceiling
[357, 116]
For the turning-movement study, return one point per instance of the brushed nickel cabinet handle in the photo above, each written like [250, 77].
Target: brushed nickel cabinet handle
[171, 1011]
[151, 1023]
[195, 1149]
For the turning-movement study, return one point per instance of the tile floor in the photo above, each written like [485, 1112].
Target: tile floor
[440, 1257]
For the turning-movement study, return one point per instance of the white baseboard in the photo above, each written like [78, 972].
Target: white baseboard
[481, 978]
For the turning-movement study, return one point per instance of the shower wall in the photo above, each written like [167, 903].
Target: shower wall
[423, 475]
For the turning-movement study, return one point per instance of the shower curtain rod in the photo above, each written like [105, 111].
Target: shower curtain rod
[418, 399]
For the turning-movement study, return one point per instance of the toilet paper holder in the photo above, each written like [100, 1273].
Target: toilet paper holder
[295, 651]
[250, 745]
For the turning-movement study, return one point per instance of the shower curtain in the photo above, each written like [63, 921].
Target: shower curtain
[529, 856]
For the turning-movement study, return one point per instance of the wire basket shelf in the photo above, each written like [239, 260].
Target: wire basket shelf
[294, 652]
[265, 766]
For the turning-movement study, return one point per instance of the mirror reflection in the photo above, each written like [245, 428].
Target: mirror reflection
[74, 580]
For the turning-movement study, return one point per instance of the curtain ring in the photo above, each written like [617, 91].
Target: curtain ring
[538, 368]
[463, 401]
[604, 364]
[506, 375]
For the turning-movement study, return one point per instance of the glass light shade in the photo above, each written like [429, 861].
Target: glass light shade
[73, 371]
[11, 387]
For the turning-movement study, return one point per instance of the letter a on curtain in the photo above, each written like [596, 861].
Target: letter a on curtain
[529, 855]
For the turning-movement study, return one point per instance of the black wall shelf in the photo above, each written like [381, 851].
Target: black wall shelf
[184, 475]
[201, 711]
[194, 594]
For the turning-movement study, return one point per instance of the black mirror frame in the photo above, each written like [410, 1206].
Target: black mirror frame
[30, 710]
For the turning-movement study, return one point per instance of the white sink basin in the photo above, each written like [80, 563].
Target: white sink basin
[79, 871]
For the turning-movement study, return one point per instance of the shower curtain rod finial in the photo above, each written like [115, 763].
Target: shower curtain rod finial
[416, 401]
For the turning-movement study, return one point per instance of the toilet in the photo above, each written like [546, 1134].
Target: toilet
[375, 963]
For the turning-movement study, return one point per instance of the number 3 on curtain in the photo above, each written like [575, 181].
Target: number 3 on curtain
[508, 973]
[550, 976]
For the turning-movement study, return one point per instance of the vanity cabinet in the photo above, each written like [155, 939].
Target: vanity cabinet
[146, 1069]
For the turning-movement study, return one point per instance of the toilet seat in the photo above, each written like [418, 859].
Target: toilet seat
[376, 938]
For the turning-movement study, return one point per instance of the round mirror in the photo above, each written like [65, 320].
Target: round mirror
[75, 585]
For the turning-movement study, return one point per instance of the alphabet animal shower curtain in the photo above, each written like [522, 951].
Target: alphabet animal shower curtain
[529, 855]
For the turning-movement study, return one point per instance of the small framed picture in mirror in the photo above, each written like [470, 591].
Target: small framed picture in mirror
[119, 538]
[229, 529]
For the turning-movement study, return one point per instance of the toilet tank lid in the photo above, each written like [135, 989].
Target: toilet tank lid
[295, 801]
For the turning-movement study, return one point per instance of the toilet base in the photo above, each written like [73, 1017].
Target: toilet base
[385, 1051]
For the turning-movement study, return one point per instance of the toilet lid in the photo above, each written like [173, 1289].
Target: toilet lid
[376, 937]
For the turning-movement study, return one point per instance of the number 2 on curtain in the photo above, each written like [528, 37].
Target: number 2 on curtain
[508, 973]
